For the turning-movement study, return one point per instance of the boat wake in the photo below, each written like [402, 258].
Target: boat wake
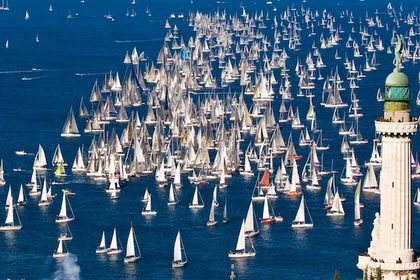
[68, 269]
[34, 78]
[22, 71]
[89, 74]
[138, 41]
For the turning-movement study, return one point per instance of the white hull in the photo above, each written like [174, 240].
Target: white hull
[358, 222]
[44, 203]
[70, 135]
[191, 206]
[148, 213]
[60, 220]
[59, 255]
[211, 223]
[114, 251]
[302, 225]
[251, 233]
[311, 187]
[235, 255]
[101, 250]
[335, 214]
[10, 228]
[131, 259]
[178, 264]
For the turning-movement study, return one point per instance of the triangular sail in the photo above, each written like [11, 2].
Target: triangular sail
[240, 244]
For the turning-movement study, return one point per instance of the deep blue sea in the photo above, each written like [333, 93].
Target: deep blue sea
[33, 112]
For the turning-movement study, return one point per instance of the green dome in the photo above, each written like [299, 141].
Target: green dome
[397, 79]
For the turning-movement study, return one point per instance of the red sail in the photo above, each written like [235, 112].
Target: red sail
[265, 180]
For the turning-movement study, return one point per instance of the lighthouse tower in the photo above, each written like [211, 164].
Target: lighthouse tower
[390, 250]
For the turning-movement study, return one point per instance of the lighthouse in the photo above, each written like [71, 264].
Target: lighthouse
[390, 252]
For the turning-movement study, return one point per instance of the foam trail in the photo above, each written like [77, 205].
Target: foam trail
[89, 74]
[68, 270]
[138, 41]
[20, 71]
[33, 78]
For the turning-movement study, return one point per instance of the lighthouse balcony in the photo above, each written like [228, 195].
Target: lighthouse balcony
[365, 261]
[390, 127]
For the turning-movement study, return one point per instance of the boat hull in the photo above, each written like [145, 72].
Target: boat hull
[302, 225]
[131, 259]
[237, 255]
[60, 220]
[10, 228]
[179, 264]
[59, 255]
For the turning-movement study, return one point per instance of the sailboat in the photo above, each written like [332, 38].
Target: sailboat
[34, 191]
[225, 215]
[9, 224]
[63, 215]
[45, 200]
[61, 251]
[417, 198]
[101, 249]
[370, 183]
[300, 219]
[132, 251]
[267, 218]
[2, 181]
[251, 227]
[247, 170]
[21, 197]
[70, 126]
[40, 161]
[197, 202]
[357, 217]
[114, 249]
[26, 15]
[180, 257]
[78, 164]
[242, 250]
[146, 195]
[37, 39]
[173, 199]
[211, 221]
[214, 200]
[60, 171]
[337, 206]
[6, 45]
[9, 198]
[66, 236]
[147, 211]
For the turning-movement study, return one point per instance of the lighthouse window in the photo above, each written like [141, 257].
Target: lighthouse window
[392, 226]
[392, 184]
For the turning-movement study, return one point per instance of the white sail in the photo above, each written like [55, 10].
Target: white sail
[171, 194]
[9, 198]
[266, 211]
[63, 210]
[102, 244]
[21, 197]
[177, 248]
[114, 241]
[70, 128]
[357, 216]
[149, 203]
[60, 249]
[300, 215]
[130, 244]
[240, 244]
[249, 221]
[10, 219]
